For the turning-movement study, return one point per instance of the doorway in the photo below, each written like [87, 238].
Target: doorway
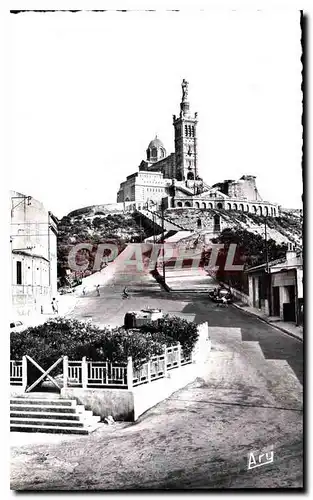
[276, 304]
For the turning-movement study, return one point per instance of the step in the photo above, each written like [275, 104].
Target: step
[39, 408]
[46, 415]
[53, 429]
[84, 415]
[44, 402]
[38, 395]
[48, 422]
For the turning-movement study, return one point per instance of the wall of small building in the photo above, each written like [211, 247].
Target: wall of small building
[33, 290]
[257, 300]
[34, 245]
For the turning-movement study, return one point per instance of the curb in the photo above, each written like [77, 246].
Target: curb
[268, 322]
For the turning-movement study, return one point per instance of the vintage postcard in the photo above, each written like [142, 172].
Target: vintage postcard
[156, 229]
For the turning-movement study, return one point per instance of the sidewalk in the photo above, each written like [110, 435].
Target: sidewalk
[286, 327]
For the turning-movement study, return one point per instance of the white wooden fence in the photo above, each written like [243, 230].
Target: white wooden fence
[16, 372]
[104, 374]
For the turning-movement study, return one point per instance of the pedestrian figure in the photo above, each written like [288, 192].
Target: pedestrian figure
[84, 291]
[98, 290]
[54, 305]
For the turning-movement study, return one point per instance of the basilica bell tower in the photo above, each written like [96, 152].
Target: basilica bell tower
[185, 140]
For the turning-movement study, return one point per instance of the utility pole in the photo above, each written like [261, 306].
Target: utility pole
[268, 281]
[163, 234]
[153, 220]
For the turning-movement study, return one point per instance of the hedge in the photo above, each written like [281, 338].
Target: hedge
[58, 337]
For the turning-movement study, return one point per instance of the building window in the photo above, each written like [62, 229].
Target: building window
[19, 272]
[186, 130]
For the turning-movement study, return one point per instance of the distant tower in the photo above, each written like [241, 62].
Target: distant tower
[185, 139]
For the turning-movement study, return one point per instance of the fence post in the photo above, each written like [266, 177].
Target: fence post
[84, 373]
[165, 361]
[129, 373]
[24, 373]
[65, 371]
[149, 371]
[179, 356]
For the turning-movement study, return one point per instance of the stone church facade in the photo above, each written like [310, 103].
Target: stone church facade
[174, 179]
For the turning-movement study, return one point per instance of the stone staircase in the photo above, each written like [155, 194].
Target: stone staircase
[50, 414]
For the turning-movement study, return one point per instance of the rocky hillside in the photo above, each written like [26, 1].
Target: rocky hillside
[92, 225]
[207, 223]
[87, 226]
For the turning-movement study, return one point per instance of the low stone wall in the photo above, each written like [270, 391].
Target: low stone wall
[148, 395]
[103, 402]
[128, 405]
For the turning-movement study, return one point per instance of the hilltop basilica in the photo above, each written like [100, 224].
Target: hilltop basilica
[175, 178]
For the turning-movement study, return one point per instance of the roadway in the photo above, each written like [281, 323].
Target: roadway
[248, 398]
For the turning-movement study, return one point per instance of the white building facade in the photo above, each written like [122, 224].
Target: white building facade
[33, 240]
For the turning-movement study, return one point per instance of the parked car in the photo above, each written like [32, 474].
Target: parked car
[220, 296]
[66, 289]
[17, 326]
[136, 319]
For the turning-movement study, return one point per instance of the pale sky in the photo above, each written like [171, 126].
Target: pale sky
[90, 90]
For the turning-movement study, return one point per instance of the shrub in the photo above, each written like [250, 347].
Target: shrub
[174, 329]
[58, 337]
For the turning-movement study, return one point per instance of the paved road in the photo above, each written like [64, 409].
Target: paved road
[247, 398]
[110, 308]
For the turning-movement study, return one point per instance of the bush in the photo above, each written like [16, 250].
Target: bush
[174, 329]
[59, 337]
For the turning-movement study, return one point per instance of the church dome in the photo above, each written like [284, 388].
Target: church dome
[156, 150]
[156, 143]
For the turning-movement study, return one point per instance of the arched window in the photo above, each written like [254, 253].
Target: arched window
[199, 223]
[186, 130]
[247, 208]
[271, 211]
[220, 205]
[203, 205]
[154, 152]
[260, 210]
[265, 210]
[254, 209]
[179, 204]
[274, 212]
[197, 204]
[189, 130]
[190, 176]
[228, 206]
[235, 206]
[241, 207]
[211, 205]
[187, 204]
[148, 154]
